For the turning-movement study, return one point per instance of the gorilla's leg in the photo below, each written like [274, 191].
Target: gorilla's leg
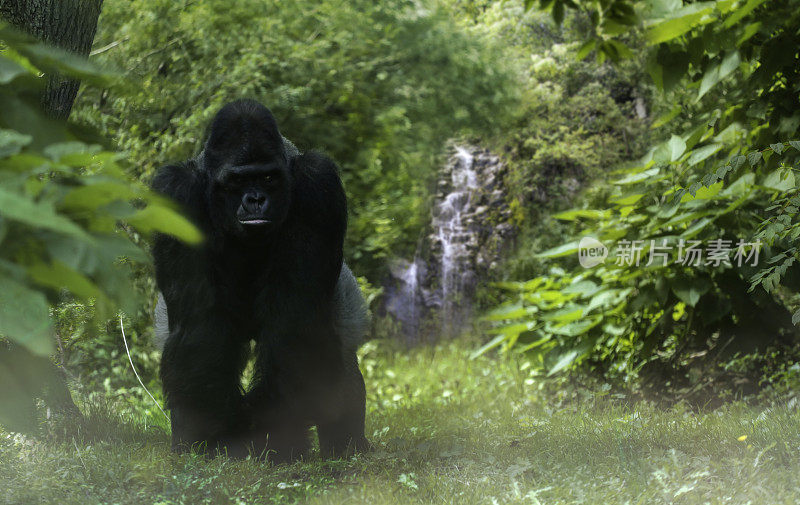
[276, 407]
[343, 434]
[200, 370]
[287, 439]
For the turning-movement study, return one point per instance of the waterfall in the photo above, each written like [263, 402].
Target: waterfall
[453, 234]
[432, 294]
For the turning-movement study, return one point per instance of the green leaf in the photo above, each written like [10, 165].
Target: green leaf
[24, 317]
[20, 208]
[572, 215]
[753, 158]
[59, 150]
[57, 275]
[680, 22]
[577, 327]
[584, 288]
[668, 66]
[780, 180]
[12, 142]
[47, 57]
[627, 199]
[488, 346]
[718, 72]
[795, 144]
[10, 70]
[666, 118]
[776, 148]
[605, 299]
[563, 362]
[663, 8]
[562, 250]
[677, 146]
[565, 315]
[586, 48]
[741, 12]
[637, 177]
[701, 153]
[92, 196]
[619, 50]
[509, 311]
[740, 186]
[737, 162]
[704, 193]
[748, 32]
[689, 290]
[558, 12]
[165, 220]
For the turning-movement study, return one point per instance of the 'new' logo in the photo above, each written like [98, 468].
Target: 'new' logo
[591, 252]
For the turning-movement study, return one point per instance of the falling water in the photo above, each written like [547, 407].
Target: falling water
[437, 281]
[453, 234]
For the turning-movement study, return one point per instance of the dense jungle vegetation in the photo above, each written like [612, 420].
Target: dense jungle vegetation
[665, 131]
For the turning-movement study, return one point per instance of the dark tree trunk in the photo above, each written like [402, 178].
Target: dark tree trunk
[68, 24]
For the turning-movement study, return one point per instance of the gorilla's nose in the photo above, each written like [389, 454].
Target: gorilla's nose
[254, 202]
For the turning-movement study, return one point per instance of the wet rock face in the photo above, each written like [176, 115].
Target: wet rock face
[432, 294]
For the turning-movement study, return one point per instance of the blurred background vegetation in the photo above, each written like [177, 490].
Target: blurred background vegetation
[617, 119]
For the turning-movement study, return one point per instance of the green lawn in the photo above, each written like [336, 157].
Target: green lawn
[446, 430]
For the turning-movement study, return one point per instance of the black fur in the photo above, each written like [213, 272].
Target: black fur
[271, 283]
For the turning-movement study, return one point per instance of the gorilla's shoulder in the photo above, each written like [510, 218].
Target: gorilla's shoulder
[318, 192]
[315, 167]
[181, 182]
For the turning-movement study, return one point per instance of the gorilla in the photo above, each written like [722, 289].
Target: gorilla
[270, 271]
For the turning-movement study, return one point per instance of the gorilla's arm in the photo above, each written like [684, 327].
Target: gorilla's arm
[200, 377]
[184, 183]
[319, 209]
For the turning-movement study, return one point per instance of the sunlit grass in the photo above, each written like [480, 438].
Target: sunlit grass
[446, 430]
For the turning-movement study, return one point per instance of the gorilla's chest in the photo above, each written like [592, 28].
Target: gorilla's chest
[269, 285]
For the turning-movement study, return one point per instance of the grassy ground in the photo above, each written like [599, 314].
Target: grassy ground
[446, 430]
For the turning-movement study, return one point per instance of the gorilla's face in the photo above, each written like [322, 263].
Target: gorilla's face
[251, 199]
[250, 181]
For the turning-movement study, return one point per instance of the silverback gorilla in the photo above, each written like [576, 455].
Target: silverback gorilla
[270, 271]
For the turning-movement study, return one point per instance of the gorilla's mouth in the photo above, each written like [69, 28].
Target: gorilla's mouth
[254, 222]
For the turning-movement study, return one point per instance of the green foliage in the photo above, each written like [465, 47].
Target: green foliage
[627, 310]
[577, 118]
[70, 219]
[379, 86]
[699, 185]
[704, 44]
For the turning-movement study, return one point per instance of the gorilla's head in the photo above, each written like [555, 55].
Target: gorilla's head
[250, 181]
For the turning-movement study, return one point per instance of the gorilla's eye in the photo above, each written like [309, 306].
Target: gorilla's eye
[268, 178]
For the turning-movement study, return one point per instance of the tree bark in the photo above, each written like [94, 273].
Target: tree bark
[68, 24]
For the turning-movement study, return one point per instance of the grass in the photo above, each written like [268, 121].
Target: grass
[446, 430]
